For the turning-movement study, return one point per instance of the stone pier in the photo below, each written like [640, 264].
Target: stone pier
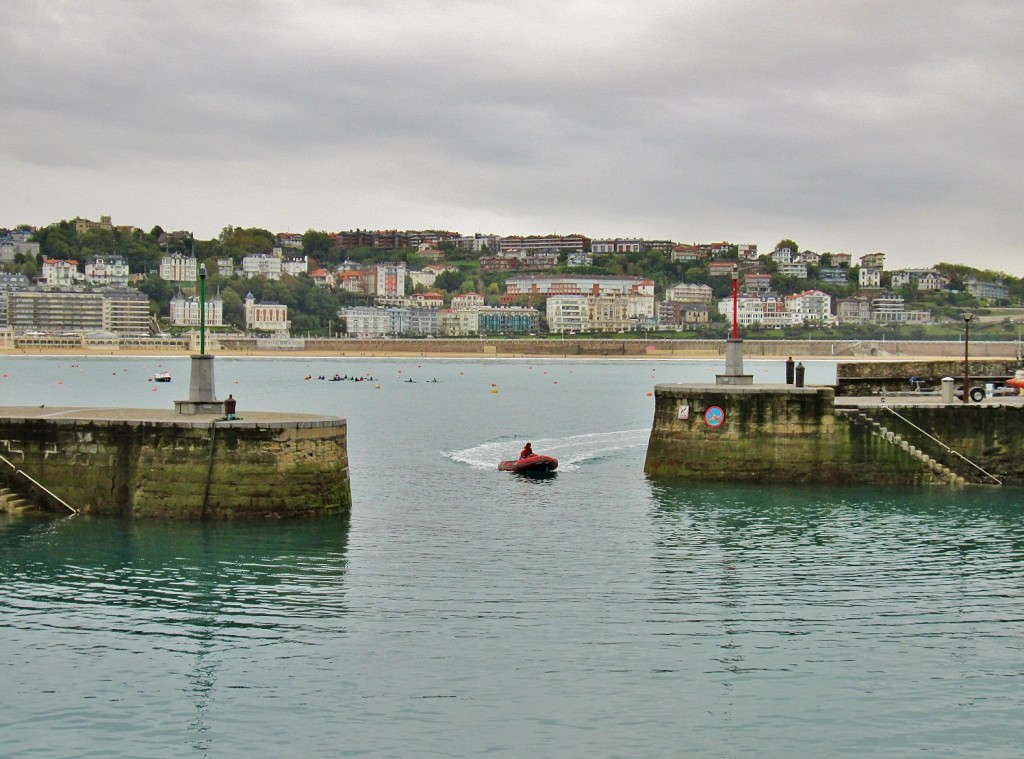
[149, 463]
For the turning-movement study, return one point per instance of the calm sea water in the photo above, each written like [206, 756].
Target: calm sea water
[464, 611]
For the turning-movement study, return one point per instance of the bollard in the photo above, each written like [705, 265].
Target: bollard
[948, 390]
[799, 375]
[229, 406]
[789, 370]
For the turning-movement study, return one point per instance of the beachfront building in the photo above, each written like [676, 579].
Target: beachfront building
[767, 310]
[855, 310]
[266, 316]
[608, 313]
[507, 320]
[119, 310]
[125, 311]
[567, 313]
[365, 321]
[887, 308]
[185, 310]
[177, 267]
[677, 315]
[59, 273]
[413, 321]
[107, 270]
[457, 323]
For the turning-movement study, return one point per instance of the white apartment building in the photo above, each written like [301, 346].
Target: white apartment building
[261, 264]
[125, 311]
[365, 321]
[690, 293]
[185, 311]
[617, 246]
[769, 310]
[810, 305]
[107, 270]
[467, 302]
[424, 277]
[922, 279]
[567, 313]
[573, 284]
[797, 270]
[178, 267]
[295, 266]
[871, 278]
[60, 273]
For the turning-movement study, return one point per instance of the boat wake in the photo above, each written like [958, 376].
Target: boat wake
[571, 451]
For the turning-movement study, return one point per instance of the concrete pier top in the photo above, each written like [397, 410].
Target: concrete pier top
[165, 417]
[710, 387]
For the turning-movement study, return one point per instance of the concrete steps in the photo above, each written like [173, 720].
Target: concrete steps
[940, 470]
[12, 503]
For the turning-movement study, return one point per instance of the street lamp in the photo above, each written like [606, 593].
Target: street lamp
[967, 340]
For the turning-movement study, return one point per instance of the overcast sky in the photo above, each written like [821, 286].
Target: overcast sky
[845, 126]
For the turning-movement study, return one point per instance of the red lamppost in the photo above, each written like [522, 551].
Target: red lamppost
[735, 302]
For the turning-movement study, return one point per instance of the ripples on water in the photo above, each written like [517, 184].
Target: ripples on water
[465, 611]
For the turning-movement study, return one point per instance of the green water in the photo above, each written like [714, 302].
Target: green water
[465, 611]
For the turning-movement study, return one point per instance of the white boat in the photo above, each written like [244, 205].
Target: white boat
[162, 377]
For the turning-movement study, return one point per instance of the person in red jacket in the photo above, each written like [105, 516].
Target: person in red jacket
[526, 452]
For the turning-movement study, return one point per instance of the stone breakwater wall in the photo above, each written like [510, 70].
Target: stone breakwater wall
[660, 347]
[780, 434]
[871, 377]
[184, 469]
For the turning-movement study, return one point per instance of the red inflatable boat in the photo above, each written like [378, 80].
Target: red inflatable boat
[533, 463]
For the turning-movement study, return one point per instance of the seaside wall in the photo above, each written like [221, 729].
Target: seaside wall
[871, 377]
[185, 469]
[769, 434]
[991, 436]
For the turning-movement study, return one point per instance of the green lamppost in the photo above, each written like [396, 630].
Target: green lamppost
[202, 309]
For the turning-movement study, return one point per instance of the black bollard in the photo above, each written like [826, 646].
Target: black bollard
[799, 375]
[789, 370]
[229, 406]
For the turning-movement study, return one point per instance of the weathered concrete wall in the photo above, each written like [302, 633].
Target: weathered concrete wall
[770, 434]
[991, 436]
[871, 377]
[189, 469]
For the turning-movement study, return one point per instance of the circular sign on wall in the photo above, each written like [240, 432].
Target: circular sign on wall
[714, 416]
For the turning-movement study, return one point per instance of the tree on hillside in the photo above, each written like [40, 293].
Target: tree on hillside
[786, 243]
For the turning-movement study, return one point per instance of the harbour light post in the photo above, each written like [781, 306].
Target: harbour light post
[967, 370]
[202, 309]
[734, 345]
[202, 398]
